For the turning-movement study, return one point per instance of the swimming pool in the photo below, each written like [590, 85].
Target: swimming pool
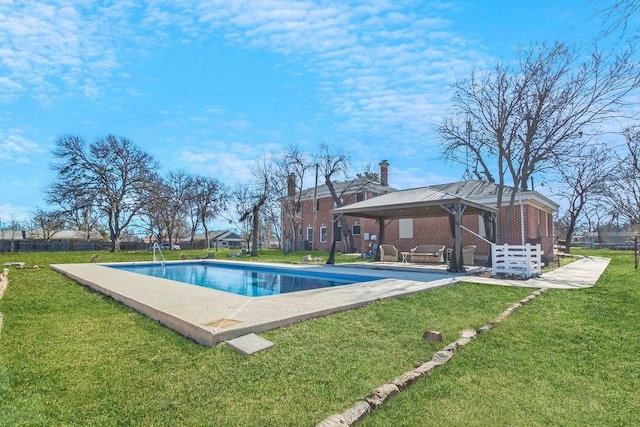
[241, 279]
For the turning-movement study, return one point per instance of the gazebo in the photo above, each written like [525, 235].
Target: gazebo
[421, 203]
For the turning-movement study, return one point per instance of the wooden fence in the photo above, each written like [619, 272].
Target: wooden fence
[519, 260]
[75, 245]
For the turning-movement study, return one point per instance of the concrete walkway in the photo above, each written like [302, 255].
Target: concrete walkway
[580, 274]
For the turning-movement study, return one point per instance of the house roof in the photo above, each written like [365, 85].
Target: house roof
[347, 187]
[221, 235]
[412, 203]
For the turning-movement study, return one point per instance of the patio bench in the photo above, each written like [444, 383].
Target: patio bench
[427, 253]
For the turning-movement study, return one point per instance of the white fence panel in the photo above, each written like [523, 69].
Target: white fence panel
[519, 260]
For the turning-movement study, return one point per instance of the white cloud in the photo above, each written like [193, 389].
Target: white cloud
[14, 147]
[43, 43]
[376, 61]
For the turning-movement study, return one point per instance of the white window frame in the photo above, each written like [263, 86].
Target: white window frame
[481, 228]
[310, 234]
[405, 228]
[323, 234]
[353, 232]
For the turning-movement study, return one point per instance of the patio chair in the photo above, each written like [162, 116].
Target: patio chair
[388, 253]
[467, 254]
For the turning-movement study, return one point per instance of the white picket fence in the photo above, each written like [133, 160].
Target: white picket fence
[520, 260]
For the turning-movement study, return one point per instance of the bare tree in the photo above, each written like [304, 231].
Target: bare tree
[369, 174]
[191, 212]
[46, 224]
[112, 173]
[78, 212]
[15, 227]
[623, 186]
[515, 121]
[617, 15]
[262, 188]
[334, 164]
[241, 203]
[211, 197]
[171, 201]
[152, 212]
[292, 170]
[580, 181]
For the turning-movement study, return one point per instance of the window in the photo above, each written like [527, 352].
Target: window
[298, 207]
[337, 230]
[317, 205]
[323, 234]
[543, 223]
[481, 229]
[356, 229]
[359, 197]
[405, 228]
[300, 231]
[310, 234]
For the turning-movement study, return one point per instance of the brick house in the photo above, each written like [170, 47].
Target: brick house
[531, 217]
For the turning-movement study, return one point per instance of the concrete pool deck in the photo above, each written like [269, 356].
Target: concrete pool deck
[209, 316]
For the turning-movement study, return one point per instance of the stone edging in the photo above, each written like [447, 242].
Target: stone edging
[383, 393]
[4, 281]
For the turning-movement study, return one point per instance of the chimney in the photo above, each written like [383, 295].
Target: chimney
[384, 173]
[291, 185]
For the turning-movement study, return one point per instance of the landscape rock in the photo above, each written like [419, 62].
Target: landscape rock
[381, 395]
[335, 420]
[468, 333]
[442, 357]
[356, 412]
[406, 379]
[426, 367]
[432, 336]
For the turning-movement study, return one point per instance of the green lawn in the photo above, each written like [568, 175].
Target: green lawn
[69, 356]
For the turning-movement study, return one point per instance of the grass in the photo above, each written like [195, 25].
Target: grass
[569, 358]
[69, 356]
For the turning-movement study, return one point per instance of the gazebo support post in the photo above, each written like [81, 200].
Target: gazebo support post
[456, 261]
[380, 237]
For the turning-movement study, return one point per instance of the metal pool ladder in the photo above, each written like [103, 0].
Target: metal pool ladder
[157, 246]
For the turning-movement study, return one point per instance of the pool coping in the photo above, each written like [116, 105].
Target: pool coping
[209, 316]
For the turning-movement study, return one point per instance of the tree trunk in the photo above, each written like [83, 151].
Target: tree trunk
[332, 253]
[115, 243]
[256, 231]
[347, 237]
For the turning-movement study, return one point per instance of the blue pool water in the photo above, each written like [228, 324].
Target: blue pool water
[248, 280]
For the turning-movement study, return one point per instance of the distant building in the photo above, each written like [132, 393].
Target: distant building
[225, 239]
[221, 239]
[59, 235]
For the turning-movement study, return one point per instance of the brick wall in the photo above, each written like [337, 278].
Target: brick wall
[538, 229]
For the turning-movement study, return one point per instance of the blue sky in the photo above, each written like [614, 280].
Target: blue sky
[211, 86]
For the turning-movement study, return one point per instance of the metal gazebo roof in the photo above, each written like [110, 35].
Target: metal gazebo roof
[413, 203]
[419, 203]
